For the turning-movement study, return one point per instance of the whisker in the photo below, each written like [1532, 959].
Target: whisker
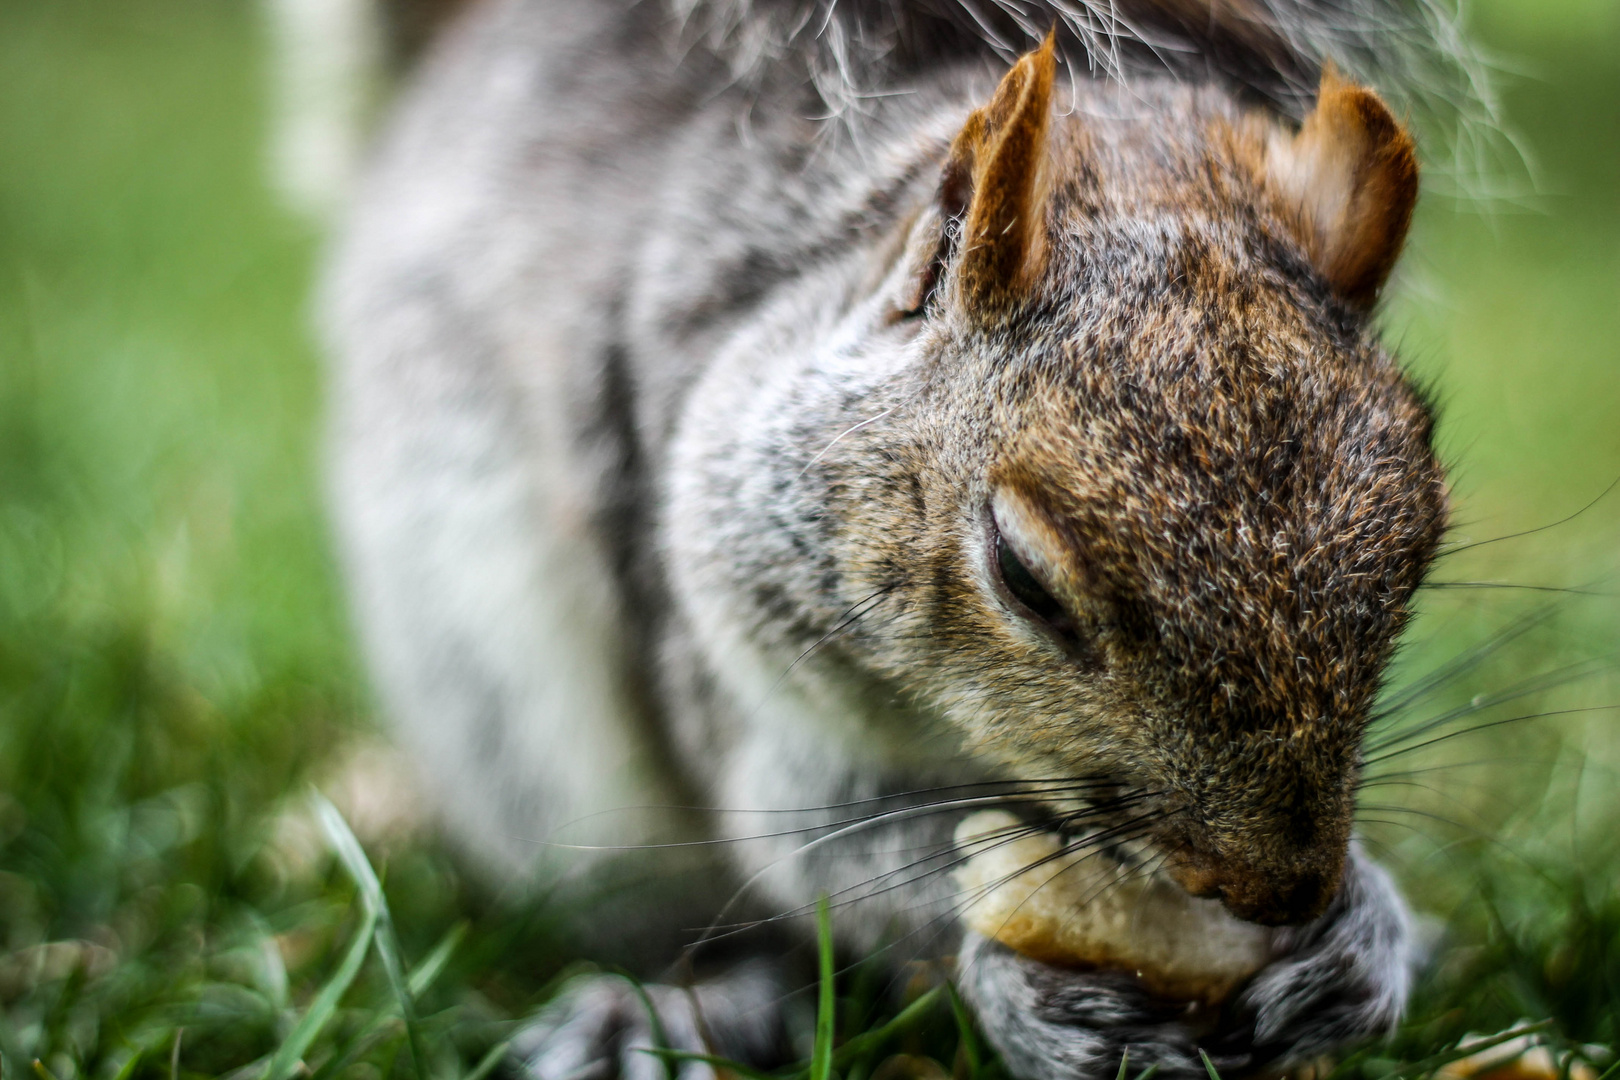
[1383, 849]
[1398, 775]
[1539, 529]
[949, 850]
[846, 620]
[1565, 590]
[1033, 791]
[1396, 808]
[1116, 834]
[1056, 825]
[901, 814]
[1549, 680]
[1473, 833]
[1061, 853]
[839, 437]
[932, 929]
[1466, 660]
[1486, 727]
[1123, 832]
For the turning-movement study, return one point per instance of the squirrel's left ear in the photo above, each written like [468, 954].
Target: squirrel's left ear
[1349, 177]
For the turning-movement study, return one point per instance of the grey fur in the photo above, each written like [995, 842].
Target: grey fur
[613, 388]
[1416, 52]
[599, 1026]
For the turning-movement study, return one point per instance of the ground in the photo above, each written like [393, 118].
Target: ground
[176, 671]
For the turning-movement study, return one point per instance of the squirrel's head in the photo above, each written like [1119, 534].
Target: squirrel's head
[1103, 468]
[1157, 500]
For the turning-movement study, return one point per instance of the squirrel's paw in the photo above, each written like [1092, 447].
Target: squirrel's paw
[598, 1027]
[1342, 978]
[1059, 1024]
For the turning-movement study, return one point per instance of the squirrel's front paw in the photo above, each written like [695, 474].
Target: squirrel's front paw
[1058, 1024]
[598, 1027]
[1341, 978]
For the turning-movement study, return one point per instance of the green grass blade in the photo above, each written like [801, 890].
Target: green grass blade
[1149, 1073]
[379, 1030]
[660, 1036]
[285, 1062]
[421, 979]
[487, 1063]
[1209, 1066]
[426, 973]
[821, 1056]
[709, 1059]
[354, 860]
[127, 1069]
[1124, 1062]
[967, 1036]
[1429, 1064]
[861, 1044]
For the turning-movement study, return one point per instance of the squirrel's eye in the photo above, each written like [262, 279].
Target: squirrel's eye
[1023, 584]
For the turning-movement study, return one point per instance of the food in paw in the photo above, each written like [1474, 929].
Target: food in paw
[1083, 908]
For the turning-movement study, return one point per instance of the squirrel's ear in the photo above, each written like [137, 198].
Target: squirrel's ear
[1350, 178]
[995, 183]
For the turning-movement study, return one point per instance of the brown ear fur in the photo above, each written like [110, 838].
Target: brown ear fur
[996, 175]
[1350, 180]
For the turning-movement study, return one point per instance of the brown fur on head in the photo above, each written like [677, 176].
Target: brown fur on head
[1148, 370]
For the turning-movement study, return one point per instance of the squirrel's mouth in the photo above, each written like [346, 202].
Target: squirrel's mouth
[1108, 821]
[1279, 869]
[1052, 900]
[1270, 883]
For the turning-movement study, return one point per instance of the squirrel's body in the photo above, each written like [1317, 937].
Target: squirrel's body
[671, 419]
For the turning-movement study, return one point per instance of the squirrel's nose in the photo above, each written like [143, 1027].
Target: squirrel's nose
[1272, 892]
[1276, 899]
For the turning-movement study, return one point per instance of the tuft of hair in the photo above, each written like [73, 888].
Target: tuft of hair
[1415, 52]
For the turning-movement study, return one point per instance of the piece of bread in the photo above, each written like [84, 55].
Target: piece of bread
[1084, 909]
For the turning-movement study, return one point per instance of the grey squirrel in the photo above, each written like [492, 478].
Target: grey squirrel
[835, 419]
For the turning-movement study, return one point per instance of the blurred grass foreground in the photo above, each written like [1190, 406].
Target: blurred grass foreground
[175, 668]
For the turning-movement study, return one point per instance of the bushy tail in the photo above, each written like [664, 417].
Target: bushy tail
[333, 55]
[330, 62]
[1414, 51]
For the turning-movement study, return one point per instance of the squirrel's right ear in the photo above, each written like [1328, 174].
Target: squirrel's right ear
[994, 189]
[1349, 178]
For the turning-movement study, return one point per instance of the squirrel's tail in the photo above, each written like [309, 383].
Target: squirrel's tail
[330, 61]
[1273, 49]
[1415, 52]
[333, 55]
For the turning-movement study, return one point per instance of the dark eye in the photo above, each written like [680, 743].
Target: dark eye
[1026, 587]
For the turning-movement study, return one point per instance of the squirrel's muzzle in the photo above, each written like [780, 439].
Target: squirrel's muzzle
[1266, 879]
[1273, 899]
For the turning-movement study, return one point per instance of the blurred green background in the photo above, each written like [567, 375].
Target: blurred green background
[175, 666]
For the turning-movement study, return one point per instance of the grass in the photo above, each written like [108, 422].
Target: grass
[175, 668]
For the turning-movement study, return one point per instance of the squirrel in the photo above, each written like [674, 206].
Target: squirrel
[832, 420]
